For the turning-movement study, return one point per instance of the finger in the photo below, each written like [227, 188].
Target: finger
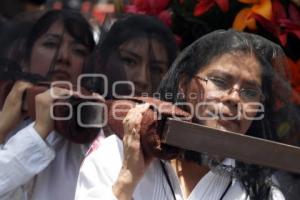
[125, 120]
[136, 111]
[134, 116]
[47, 97]
[129, 134]
[141, 108]
[130, 116]
[98, 96]
[132, 135]
[136, 133]
[132, 123]
[19, 88]
[56, 92]
[23, 84]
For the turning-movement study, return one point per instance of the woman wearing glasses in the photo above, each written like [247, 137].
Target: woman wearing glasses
[226, 81]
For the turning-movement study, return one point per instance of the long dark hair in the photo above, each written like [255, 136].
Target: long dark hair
[269, 55]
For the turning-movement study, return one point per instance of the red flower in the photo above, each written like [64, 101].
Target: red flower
[86, 7]
[294, 72]
[280, 25]
[166, 18]
[178, 40]
[294, 76]
[204, 5]
[133, 9]
[150, 7]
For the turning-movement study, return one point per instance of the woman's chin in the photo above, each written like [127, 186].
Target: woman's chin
[224, 125]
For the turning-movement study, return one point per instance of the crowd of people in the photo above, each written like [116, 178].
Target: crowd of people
[233, 73]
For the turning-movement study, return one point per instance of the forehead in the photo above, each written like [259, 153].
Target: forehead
[237, 65]
[143, 47]
[56, 30]
[57, 27]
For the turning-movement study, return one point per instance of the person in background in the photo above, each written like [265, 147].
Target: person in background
[35, 162]
[136, 48]
[12, 40]
[22, 9]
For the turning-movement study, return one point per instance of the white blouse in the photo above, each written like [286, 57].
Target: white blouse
[34, 169]
[101, 168]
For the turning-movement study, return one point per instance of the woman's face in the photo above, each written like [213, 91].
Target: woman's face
[226, 94]
[145, 62]
[70, 54]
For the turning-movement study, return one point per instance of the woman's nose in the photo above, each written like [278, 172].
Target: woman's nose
[232, 96]
[63, 54]
[142, 80]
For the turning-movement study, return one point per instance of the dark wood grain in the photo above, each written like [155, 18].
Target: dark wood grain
[245, 148]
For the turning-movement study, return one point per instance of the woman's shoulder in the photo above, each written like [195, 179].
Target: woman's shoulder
[105, 161]
[276, 193]
[109, 151]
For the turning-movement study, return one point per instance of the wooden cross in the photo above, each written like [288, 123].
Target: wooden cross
[245, 148]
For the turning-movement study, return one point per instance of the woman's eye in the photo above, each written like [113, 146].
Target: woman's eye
[219, 82]
[50, 44]
[80, 52]
[129, 61]
[251, 93]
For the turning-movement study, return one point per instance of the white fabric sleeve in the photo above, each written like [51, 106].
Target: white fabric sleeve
[276, 194]
[100, 170]
[23, 156]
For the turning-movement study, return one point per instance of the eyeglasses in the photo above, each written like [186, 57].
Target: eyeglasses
[247, 94]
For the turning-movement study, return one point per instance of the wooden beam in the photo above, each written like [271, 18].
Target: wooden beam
[245, 148]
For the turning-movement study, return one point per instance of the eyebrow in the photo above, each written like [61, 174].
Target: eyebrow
[52, 35]
[58, 36]
[223, 73]
[139, 57]
[229, 76]
[131, 53]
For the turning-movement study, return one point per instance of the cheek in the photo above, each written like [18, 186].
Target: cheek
[252, 111]
[155, 81]
[40, 61]
[77, 64]
[75, 71]
[206, 107]
[245, 125]
[131, 72]
[248, 115]
[194, 95]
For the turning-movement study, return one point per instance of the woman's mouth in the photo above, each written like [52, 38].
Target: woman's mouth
[231, 125]
[229, 119]
[60, 75]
